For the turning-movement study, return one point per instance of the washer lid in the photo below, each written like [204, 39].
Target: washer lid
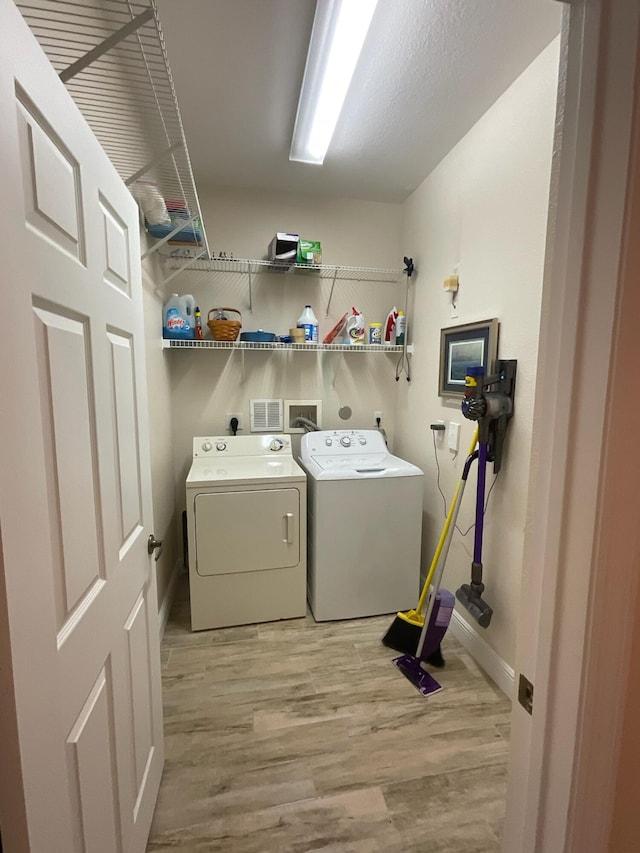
[360, 469]
[244, 471]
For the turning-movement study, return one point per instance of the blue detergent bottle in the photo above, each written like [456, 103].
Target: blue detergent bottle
[178, 321]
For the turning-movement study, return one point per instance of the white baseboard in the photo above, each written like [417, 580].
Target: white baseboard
[170, 594]
[490, 661]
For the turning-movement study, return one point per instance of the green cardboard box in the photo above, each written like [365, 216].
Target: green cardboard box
[309, 252]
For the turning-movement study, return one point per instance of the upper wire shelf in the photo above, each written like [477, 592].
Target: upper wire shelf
[251, 268]
[248, 265]
[255, 267]
[112, 58]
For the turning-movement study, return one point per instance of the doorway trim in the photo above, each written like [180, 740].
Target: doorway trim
[578, 590]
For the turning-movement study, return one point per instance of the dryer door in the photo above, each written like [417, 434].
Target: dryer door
[247, 531]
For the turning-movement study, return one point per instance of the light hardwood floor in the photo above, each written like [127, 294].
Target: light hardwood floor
[295, 736]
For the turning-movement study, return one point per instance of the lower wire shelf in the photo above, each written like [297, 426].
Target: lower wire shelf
[278, 347]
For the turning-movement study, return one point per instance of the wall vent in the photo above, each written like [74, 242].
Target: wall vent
[266, 415]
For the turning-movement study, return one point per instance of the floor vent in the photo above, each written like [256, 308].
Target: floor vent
[266, 415]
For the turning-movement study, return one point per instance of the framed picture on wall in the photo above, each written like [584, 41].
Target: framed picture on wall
[464, 346]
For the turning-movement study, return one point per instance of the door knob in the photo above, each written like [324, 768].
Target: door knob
[152, 544]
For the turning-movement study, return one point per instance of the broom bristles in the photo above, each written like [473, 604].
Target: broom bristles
[403, 636]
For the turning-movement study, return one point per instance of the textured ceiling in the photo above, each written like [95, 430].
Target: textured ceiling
[428, 71]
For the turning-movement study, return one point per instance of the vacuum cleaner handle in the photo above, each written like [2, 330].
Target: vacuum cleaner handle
[480, 493]
[470, 595]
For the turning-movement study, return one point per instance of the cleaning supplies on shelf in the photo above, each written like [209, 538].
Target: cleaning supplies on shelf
[390, 326]
[309, 252]
[337, 329]
[178, 318]
[355, 327]
[375, 333]
[198, 326]
[401, 325]
[309, 322]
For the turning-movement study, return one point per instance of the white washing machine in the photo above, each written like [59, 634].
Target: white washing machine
[246, 517]
[364, 525]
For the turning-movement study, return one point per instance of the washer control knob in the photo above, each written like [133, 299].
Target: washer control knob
[345, 441]
[276, 444]
[207, 446]
[362, 440]
[221, 445]
[328, 442]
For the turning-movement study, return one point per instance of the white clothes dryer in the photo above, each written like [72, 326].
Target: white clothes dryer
[364, 525]
[246, 519]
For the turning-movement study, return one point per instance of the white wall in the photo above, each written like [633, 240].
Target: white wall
[165, 516]
[206, 385]
[484, 209]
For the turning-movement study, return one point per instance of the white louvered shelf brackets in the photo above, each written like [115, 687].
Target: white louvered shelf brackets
[112, 58]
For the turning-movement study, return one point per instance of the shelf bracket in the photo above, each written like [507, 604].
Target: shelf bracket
[333, 284]
[156, 160]
[250, 292]
[186, 263]
[106, 45]
[183, 224]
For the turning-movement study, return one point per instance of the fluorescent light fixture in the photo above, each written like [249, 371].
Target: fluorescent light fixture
[339, 30]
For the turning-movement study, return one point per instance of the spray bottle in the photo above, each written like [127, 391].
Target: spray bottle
[355, 328]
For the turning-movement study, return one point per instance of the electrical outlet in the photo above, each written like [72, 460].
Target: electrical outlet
[377, 415]
[453, 436]
[440, 433]
[234, 415]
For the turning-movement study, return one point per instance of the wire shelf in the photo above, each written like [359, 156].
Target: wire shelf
[113, 61]
[275, 346]
[245, 266]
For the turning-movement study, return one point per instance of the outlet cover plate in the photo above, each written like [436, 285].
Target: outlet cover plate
[453, 436]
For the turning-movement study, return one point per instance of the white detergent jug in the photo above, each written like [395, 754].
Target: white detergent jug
[309, 322]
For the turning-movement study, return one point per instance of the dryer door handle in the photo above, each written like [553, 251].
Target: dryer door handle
[288, 523]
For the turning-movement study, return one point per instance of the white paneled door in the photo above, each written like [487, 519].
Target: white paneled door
[80, 653]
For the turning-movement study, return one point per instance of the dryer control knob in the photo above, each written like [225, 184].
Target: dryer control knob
[276, 444]
[362, 440]
[207, 446]
[345, 441]
[221, 445]
[328, 442]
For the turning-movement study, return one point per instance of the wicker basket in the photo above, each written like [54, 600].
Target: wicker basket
[224, 330]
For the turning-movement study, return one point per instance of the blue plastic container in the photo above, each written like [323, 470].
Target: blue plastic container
[178, 323]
